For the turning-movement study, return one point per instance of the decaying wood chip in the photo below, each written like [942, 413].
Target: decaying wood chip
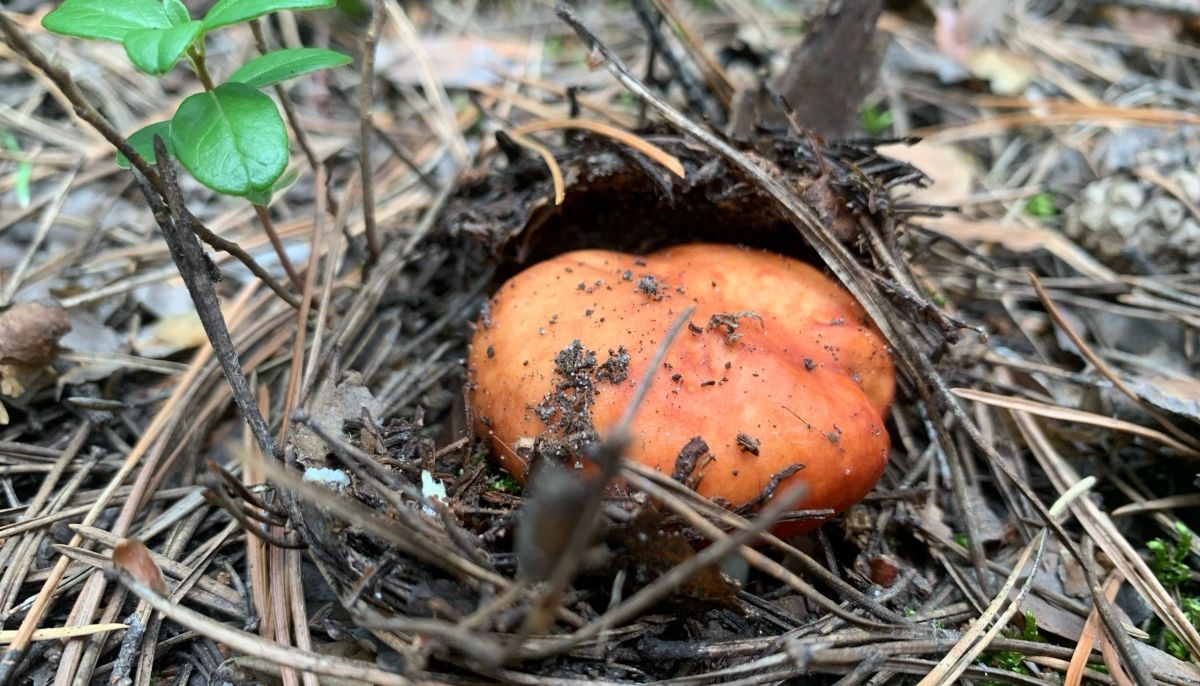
[827, 75]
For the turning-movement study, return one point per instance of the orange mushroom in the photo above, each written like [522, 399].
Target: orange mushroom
[779, 373]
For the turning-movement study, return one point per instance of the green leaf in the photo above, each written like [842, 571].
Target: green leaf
[355, 9]
[1030, 632]
[264, 197]
[227, 12]
[282, 65]
[231, 139]
[1185, 540]
[155, 51]
[105, 19]
[142, 141]
[176, 11]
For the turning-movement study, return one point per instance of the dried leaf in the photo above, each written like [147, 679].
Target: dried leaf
[89, 334]
[882, 569]
[1073, 578]
[1008, 74]
[14, 379]
[990, 527]
[952, 170]
[132, 556]
[1177, 395]
[842, 47]
[170, 335]
[933, 519]
[330, 407]
[29, 334]
[29, 341]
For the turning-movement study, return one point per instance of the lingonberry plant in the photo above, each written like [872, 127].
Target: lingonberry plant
[230, 137]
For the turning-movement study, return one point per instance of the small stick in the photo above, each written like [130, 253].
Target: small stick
[218, 242]
[366, 127]
[693, 91]
[608, 458]
[264, 218]
[194, 267]
[289, 111]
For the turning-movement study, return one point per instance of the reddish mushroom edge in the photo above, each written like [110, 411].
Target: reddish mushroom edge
[778, 378]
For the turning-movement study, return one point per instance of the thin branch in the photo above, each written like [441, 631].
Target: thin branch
[607, 457]
[196, 270]
[366, 127]
[288, 110]
[693, 91]
[222, 244]
[264, 218]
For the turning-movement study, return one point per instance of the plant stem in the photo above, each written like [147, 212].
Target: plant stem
[225, 245]
[264, 217]
[199, 66]
[288, 111]
[366, 127]
[195, 268]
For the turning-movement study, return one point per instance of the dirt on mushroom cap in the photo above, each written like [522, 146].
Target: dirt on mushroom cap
[776, 356]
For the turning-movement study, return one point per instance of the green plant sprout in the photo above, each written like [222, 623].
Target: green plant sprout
[230, 136]
[1041, 206]
[1172, 643]
[504, 484]
[1011, 660]
[874, 119]
[1169, 564]
[23, 174]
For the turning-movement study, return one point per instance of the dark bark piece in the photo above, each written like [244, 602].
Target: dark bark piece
[830, 72]
[689, 457]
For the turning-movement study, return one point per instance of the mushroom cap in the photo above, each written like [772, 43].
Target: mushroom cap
[779, 366]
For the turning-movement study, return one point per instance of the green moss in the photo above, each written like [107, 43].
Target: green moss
[874, 119]
[1041, 206]
[504, 484]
